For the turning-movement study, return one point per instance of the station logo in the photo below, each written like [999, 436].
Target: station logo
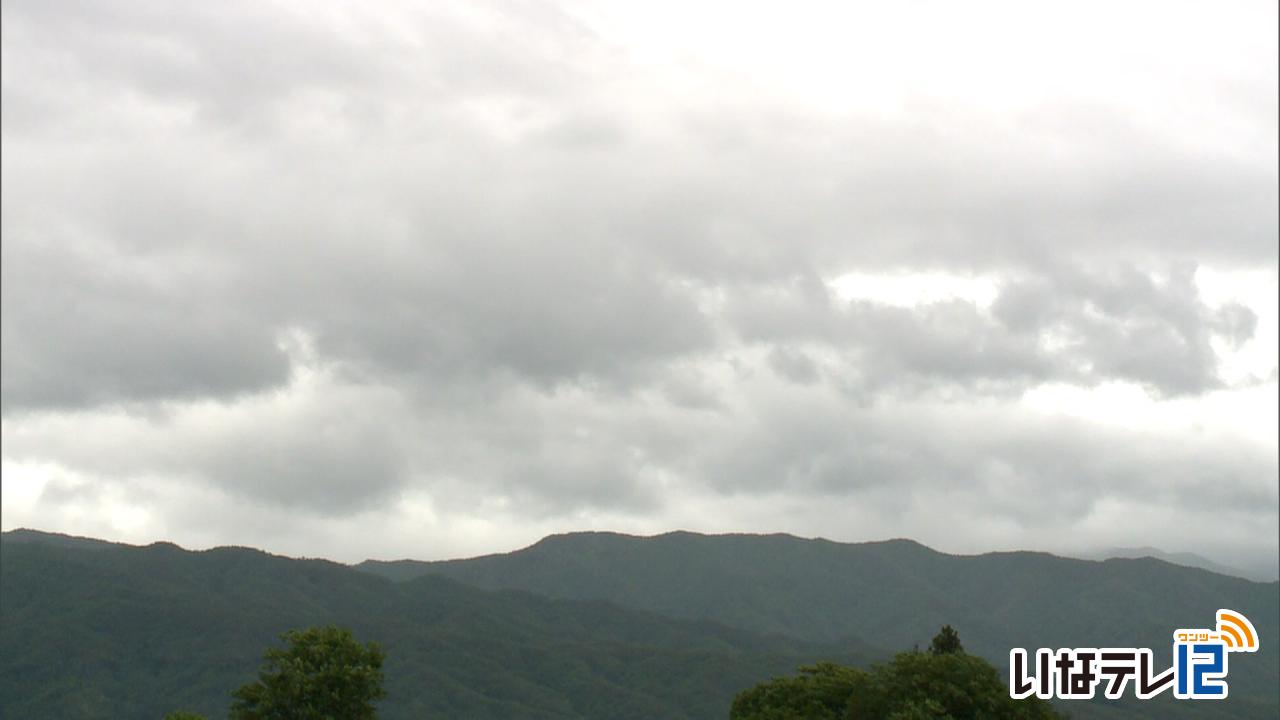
[1199, 670]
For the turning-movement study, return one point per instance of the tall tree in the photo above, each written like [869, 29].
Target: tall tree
[946, 642]
[942, 684]
[322, 674]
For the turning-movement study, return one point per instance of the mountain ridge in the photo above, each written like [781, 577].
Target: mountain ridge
[121, 631]
[774, 591]
[893, 593]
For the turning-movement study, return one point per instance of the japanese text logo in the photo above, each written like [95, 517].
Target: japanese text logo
[1199, 670]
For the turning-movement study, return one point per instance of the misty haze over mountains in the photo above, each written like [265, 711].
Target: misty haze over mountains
[1262, 573]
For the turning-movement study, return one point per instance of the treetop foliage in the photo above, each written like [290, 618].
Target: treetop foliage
[323, 674]
[942, 684]
[946, 642]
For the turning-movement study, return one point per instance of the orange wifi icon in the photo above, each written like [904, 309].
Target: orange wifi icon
[1237, 632]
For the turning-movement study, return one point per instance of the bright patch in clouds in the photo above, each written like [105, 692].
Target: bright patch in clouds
[918, 288]
[20, 491]
[1256, 358]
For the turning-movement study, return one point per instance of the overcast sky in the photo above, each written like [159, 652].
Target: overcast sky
[437, 279]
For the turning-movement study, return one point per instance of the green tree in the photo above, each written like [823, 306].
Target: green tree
[939, 686]
[322, 674]
[942, 684]
[920, 710]
[820, 692]
[181, 715]
[946, 642]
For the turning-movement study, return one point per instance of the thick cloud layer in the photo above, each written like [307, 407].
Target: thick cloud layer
[405, 281]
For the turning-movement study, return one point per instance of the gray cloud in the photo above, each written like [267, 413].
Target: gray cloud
[1114, 323]
[794, 365]
[455, 239]
[490, 259]
[1128, 326]
[1031, 469]
[84, 325]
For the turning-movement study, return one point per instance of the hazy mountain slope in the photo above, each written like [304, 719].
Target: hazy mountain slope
[892, 593]
[132, 632]
[1182, 558]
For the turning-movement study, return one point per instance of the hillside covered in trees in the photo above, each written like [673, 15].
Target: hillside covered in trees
[135, 632]
[897, 593]
[577, 626]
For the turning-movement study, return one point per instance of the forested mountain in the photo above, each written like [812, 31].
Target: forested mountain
[894, 594]
[27, 535]
[93, 630]
[590, 625]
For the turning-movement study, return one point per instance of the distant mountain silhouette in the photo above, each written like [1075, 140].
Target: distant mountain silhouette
[894, 593]
[1185, 559]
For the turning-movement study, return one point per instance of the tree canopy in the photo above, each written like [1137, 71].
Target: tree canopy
[946, 642]
[322, 674]
[819, 692]
[942, 684]
[939, 686]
